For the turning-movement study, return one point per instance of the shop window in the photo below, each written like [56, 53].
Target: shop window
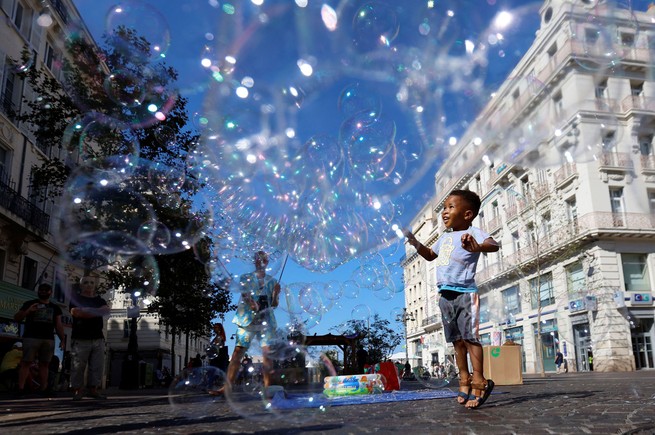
[549, 342]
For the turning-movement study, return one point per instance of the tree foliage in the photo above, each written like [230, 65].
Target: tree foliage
[104, 109]
[380, 339]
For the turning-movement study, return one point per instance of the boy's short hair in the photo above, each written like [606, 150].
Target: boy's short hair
[471, 198]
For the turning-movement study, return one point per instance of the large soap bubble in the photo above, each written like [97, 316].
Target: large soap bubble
[307, 156]
[190, 392]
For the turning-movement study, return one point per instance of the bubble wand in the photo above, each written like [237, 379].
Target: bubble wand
[283, 266]
[224, 268]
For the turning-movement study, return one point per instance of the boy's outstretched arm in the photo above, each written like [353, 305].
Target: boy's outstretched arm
[470, 244]
[422, 250]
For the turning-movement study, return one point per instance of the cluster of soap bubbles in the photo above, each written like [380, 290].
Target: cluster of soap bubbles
[295, 393]
[118, 210]
[317, 155]
[320, 119]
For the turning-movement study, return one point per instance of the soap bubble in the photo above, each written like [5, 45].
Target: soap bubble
[189, 392]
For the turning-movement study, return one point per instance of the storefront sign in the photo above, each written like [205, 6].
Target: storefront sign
[576, 305]
[590, 303]
[641, 299]
[9, 329]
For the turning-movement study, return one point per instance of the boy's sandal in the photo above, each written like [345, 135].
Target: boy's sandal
[486, 388]
[464, 394]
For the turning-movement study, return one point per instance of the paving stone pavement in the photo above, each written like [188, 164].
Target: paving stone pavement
[573, 403]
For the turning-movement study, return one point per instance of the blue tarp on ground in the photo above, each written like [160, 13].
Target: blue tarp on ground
[284, 400]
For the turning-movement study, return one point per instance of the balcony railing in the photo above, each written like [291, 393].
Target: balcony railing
[512, 211]
[493, 224]
[431, 320]
[648, 163]
[21, 207]
[565, 234]
[614, 160]
[632, 102]
[581, 52]
[7, 106]
[61, 9]
[565, 172]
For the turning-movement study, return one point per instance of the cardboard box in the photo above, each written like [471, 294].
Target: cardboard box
[503, 364]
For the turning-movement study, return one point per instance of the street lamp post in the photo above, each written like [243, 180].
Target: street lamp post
[404, 318]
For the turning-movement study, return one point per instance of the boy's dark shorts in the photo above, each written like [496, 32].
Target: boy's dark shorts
[460, 314]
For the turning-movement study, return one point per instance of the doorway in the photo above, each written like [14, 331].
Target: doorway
[642, 344]
[582, 343]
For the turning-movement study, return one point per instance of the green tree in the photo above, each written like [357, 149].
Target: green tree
[112, 104]
[380, 339]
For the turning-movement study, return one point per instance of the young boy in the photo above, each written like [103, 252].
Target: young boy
[457, 252]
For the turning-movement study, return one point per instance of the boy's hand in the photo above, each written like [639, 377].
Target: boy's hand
[469, 243]
[411, 239]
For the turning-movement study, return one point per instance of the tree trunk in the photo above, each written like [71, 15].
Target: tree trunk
[173, 352]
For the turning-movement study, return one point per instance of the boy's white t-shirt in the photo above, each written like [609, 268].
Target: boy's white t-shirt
[455, 265]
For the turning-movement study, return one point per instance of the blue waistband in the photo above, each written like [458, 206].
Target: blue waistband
[456, 288]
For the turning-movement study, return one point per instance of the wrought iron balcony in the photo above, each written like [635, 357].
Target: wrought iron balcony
[22, 207]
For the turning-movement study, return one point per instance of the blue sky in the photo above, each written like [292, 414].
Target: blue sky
[428, 101]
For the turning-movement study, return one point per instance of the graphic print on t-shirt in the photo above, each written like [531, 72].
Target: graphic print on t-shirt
[445, 251]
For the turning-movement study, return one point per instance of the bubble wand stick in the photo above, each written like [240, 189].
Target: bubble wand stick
[283, 266]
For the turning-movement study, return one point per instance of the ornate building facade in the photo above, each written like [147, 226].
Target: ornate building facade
[566, 174]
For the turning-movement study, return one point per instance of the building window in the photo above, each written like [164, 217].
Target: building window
[591, 36]
[557, 105]
[516, 243]
[3, 257]
[575, 280]
[126, 328]
[609, 140]
[601, 90]
[572, 211]
[636, 88]
[484, 309]
[28, 280]
[549, 341]
[628, 39]
[552, 51]
[515, 334]
[651, 201]
[4, 165]
[52, 58]
[11, 92]
[21, 16]
[646, 145]
[635, 272]
[533, 238]
[511, 301]
[616, 203]
[546, 226]
[541, 291]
